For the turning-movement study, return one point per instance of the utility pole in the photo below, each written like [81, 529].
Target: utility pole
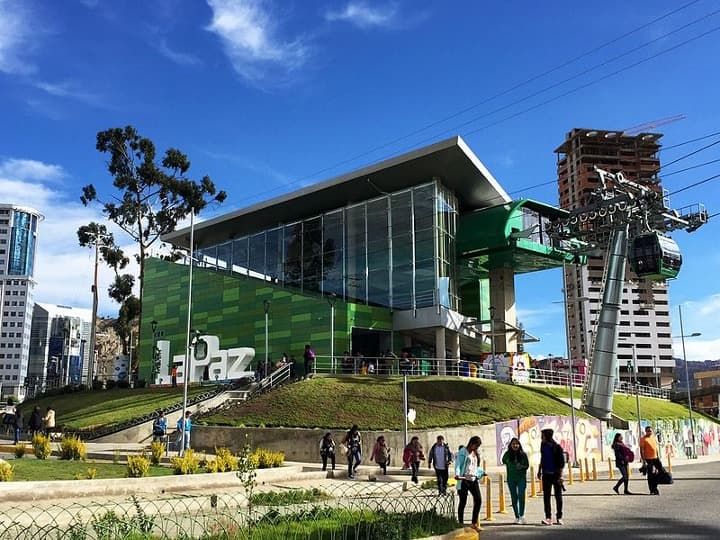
[93, 320]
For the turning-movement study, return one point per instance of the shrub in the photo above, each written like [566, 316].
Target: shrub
[137, 466]
[189, 463]
[123, 384]
[20, 450]
[157, 449]
[72, 448]
[91, 473]
[225, 460]
[6, 471]
[266, 459]
[41, 446]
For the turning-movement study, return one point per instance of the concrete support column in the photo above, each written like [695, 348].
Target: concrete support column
[455, 343]
[502, 298]
[440, 349]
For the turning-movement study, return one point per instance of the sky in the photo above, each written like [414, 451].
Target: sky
[269, 96]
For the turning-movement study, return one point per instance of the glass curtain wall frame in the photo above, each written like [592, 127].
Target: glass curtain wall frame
[396, 250]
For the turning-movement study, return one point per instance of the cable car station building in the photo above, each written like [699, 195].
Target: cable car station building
[419, 251]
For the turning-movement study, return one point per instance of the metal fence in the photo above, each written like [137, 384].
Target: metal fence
[348, 365]
[339, 511]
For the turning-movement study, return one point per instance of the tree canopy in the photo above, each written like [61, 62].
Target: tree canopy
[150, 199]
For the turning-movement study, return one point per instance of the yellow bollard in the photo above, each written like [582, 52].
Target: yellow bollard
[501, 495]
[488, 501]
[484, 466]
[610, 470]
[540, 487]
[595, 475]
[629, 469]
[582, 472]
[587, 469]
[570, 475]
[533, 491]
[669, 467]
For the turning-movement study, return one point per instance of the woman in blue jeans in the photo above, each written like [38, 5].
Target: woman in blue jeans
[516, 465]
[467, 474]
[622, 455]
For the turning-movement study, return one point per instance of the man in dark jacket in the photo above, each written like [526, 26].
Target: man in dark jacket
[552, 462]
[441, 457]
[19, 424]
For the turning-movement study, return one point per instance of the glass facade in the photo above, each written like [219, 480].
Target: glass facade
[21, 254]
[396, 251]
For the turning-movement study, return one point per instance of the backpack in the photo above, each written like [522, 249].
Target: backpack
[627, 454]
[383, 455]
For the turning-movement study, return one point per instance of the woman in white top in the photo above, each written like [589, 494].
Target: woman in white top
[467, 474]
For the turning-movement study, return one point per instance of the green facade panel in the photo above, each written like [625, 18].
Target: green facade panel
[231, 307]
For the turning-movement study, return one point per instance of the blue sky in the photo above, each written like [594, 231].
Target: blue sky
[269, 96]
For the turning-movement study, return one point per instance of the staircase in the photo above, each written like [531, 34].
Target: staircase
[274, 379]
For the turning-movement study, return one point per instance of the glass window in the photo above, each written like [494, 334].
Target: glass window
[256, 260]
[333, 253]
[224, 255]
[378, 252]
[355, 265]
[273, 254]
[292, 271]
[312, 254]
[240, 255]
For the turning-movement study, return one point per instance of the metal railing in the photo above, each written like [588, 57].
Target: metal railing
[379, 366]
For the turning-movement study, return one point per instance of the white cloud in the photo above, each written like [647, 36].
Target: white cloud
[183, 59]
[248, 32]
[698, 316]
[63, 269]
[29, 169]
[68, 90]
[14, 38]
[363, 15]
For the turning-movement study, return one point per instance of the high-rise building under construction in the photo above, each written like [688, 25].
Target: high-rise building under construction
[644, 333]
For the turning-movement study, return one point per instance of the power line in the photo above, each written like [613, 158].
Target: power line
[500, 94]
[691, 168]
[694, 184]
[689, 142]
[691, 154]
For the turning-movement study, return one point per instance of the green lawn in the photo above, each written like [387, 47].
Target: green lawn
[98, 408]
[29, 468]
[624, 405]
[376, 403]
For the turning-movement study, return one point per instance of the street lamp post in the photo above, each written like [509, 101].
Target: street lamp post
[332, 299]
[633, 376]
[575, 463]
[186, 364]
[687, 380]
[266, 307]
[655, 371]
[155, 357]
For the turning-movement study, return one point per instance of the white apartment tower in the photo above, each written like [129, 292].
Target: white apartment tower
[18, 243]
[645, 333]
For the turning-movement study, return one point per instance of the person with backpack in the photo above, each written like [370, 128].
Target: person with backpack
[552, 462]
[309, 359]
[623, 457]
[159, 427]
[412, 456]
[353, 441]
[441, 458]
[516, 465]
[381, 454]
[327, 450]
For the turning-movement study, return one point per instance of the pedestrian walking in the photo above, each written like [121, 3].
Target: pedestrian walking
[353, 441]
[35, 422]
[552, 462]
[467, 474]
[49, 420]
[412, 456]
[309, 359]
[327, 450]
[381, 454]
[159, 427]
[651, 460]
[623, 457]
[173, 376]
[9, 415]
[440, 458]
[184, 435]
[18, 425]
[516, 465]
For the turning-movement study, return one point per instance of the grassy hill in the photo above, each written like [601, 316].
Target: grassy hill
[336, 402]
[102, 408]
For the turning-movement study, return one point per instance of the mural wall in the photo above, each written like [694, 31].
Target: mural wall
[594, 437]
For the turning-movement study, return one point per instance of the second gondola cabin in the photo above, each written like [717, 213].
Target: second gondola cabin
[655, 256]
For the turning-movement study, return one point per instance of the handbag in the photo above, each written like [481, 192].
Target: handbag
[343, 449]
[664, 478]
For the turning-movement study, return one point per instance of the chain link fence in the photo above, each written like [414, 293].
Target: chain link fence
[339, 511]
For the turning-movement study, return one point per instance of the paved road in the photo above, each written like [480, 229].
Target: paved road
[688, 509]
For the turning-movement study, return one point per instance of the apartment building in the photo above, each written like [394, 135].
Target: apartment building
[645, 334]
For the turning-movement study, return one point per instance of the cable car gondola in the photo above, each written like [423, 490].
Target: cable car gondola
[655, 256]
